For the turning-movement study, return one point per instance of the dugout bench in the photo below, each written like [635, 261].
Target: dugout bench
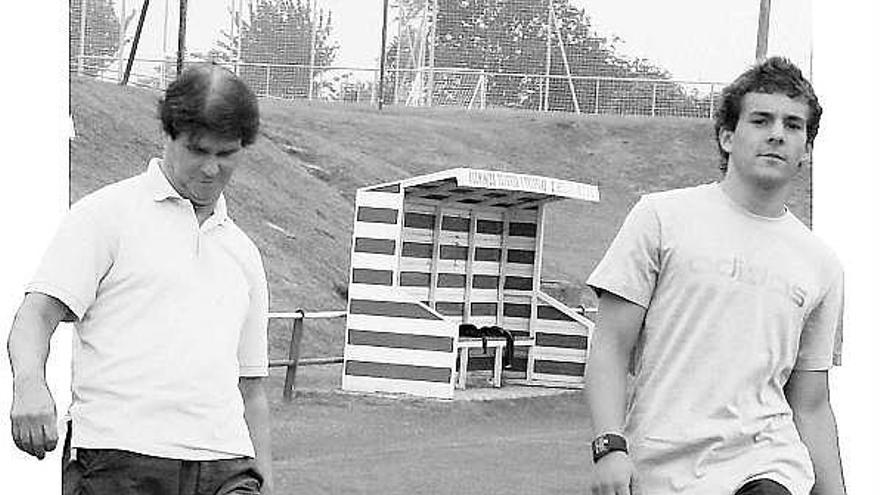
[459, 246]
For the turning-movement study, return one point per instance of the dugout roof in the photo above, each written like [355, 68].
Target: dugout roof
[467, 187]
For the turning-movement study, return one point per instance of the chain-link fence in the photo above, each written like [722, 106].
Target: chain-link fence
[538, 55]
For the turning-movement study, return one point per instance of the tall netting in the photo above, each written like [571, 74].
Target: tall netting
[540, 55]
[529, 54]
[103, 34]
[282, 48]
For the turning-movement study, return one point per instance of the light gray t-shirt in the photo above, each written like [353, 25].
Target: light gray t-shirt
[734, 302]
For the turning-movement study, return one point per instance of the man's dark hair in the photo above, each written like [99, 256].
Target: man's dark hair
[774, 75]
[209, 98]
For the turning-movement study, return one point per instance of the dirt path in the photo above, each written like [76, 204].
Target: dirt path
[327, 442]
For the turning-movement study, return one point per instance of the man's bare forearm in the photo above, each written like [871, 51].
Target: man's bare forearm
[818, 430]
[256, 414]
[30, 336]
[617, 329]
[33, 413]
[605, 390]
[808, 395]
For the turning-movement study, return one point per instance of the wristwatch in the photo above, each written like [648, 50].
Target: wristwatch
[608, 443]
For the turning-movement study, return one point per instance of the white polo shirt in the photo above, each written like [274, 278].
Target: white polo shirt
[169, 315]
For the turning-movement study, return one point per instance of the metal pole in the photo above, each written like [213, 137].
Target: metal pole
[165, 47]
[654, 100]
[397, 62]
[134, 46]
[382, 53]
[711, 100]
[238, 38]
[120, 54]
[268, 70]
[181, 37]
[432, 42]
[546, 102]
[82, 36]
[574, 98]
[232, 20]
[763, 29]
[293, 355]
[313, 7]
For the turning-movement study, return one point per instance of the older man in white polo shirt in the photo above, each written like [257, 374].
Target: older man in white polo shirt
[169, 302]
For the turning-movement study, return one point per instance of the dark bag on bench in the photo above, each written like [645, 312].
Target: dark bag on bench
[469, 330]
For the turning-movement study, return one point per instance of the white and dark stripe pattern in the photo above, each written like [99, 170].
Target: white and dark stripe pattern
[562, 339]
[433, 251]
[393, 342]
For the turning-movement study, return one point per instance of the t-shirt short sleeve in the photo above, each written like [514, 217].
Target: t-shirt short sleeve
[78, 257]
[253, 359]
[631, 265]
[822, 336]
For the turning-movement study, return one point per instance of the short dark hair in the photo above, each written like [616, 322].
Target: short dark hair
[774, 75]
[209, 98]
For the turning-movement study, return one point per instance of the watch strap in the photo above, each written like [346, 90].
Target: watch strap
[607, 443]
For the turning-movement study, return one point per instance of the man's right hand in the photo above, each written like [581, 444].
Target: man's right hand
[33, 416]
[615, 474]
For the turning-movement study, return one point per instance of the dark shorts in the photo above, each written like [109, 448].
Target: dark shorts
[111, 472]
[763, 487]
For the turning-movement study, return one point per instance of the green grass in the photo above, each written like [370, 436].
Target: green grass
[302, 174]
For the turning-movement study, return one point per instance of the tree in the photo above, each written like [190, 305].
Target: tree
[101, 35]
[280, 32]
[511, 37]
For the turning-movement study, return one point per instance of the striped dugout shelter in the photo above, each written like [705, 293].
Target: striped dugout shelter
[462, 245]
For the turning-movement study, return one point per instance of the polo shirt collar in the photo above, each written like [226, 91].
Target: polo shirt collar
[161, 189]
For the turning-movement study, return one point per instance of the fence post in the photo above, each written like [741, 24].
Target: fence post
[268, 69]
[711, 100]
[654, 100]
[293, 355]
[596, 108]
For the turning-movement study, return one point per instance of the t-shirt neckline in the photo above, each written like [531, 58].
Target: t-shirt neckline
[716, 188]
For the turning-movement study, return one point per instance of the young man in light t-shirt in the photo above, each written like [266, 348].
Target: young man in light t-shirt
[725, 311]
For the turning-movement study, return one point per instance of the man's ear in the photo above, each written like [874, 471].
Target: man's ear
[725, 139]
[807, 157]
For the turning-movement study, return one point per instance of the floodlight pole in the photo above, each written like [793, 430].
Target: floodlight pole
[313, 7]
[546, 86]
[122, 25]
[165, 47]
[574, 97]
[763, 29]
[382, 53]
[134, 46]
[397, 62]
[82, 37]
[432, 42]
[181, 37]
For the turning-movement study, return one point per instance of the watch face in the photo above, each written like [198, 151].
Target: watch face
[600, 445]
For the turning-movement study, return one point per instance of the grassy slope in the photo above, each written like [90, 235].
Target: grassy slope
[302, 175]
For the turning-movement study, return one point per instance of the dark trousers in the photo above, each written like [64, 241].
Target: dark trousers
[763, 487]
[112, 472]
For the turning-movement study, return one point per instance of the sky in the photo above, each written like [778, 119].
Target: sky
[34, 185]
[696, 40]
[704, 40]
